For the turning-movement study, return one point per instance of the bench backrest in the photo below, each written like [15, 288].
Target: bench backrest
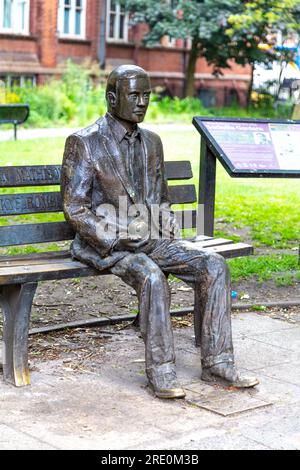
[14, 113]
[14, 204]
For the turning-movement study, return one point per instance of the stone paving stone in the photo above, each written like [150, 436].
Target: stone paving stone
[112, 408]
[225, 402]
[288, 374]
[227, 441]
[277, 391]
[251, 324]
[254, 355]
[278, 427]
[285, 339]
[12, 439]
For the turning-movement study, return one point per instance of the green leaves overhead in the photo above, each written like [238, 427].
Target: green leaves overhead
[219, 30]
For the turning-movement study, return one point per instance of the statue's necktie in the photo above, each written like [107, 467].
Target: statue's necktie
[131, 164]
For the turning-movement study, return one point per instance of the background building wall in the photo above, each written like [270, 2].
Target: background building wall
[44, 53]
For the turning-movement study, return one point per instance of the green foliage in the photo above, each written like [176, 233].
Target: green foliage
[75, 101]
[71, 100]
[259, 308]
[284, 280]
[261, 267]
[220, 30]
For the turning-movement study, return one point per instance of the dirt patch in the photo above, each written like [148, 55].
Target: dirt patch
[88, 298]
[78, 299]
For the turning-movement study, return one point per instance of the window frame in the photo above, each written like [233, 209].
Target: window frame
[15, 24]
[72, 21]
[118, 14]
[7, 78]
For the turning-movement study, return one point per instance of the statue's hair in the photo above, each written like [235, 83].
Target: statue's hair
[123, 72]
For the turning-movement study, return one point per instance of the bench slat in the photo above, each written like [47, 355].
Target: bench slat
[35, 233]
[67, 268]
[233, 250]
[30, 203]
[178, 170]
[34, 261]
[35, 175]
[40, 203]
[49, 175]
[214, 242]
[43, 272]
[26, 234]
[183, 194]
[45, 255]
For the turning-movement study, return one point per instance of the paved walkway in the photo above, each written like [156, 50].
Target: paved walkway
[25, 134]
[112, 408]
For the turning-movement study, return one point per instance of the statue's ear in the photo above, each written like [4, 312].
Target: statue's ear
[112, 98]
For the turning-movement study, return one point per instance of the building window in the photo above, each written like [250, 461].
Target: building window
[71, 18]
[14, 16]
[117, 22]
[17, 81]
[208, 97]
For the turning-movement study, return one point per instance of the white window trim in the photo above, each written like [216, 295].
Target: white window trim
[168, 41]
[15, 27]
[60, 21]
[117, 23]
[23, 78]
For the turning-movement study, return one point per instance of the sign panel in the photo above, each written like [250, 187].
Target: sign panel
[253, 147]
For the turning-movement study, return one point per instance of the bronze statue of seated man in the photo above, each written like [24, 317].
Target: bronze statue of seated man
[114, 162]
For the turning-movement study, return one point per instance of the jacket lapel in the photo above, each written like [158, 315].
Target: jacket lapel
[114, 154]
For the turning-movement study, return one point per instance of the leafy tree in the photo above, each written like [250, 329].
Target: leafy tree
[219, 30]
[251, 30]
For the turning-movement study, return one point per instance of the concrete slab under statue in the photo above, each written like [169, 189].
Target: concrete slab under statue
[247, 148]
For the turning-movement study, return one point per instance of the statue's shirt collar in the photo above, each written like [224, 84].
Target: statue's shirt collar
[118, 130]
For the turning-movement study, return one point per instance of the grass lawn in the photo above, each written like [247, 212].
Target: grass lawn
[263, 211]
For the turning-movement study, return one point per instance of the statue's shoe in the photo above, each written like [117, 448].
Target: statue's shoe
[165, 385]
[228, 373]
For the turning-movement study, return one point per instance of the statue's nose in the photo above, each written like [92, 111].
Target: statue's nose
[141, 101]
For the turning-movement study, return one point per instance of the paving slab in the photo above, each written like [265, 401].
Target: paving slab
[11, 438]
[110, 406]
[253, 355]
[224, 401]
[252, 324]
[288, 374]
[285, 339]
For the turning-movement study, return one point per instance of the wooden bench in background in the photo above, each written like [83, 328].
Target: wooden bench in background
[20, 274]
[14, 114]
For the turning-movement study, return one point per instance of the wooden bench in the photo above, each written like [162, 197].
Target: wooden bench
[14, 114]
[20, 274]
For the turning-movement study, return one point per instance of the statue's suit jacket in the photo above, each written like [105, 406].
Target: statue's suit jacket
[94, 173]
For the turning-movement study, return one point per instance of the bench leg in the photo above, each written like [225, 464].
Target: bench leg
[16, 301]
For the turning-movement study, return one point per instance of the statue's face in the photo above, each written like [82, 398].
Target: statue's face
[130, 103]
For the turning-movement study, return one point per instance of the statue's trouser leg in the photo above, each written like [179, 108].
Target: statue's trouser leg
[209, 275]
[141, 273]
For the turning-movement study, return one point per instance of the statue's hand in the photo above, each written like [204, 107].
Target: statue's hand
[130, 244]
[136, 236]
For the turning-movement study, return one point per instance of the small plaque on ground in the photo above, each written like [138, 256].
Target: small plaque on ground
[224, 401]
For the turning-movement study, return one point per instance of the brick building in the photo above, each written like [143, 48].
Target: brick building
[38, 36]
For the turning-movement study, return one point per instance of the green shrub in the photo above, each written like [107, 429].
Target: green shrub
[75, 100]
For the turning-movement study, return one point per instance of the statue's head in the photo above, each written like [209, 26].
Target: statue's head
[128, 93]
